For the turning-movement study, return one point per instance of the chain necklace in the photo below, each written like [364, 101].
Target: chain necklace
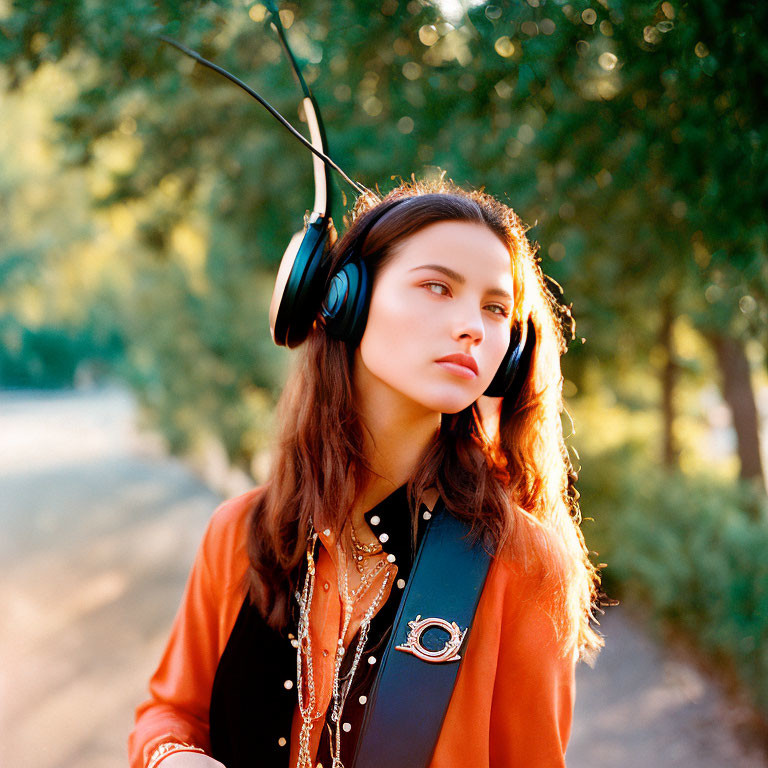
[362, 550]
[304, 651]
[340, 696]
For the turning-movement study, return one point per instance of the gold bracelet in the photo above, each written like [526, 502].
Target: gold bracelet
[167, 747]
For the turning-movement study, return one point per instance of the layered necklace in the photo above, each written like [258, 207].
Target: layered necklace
[308, 707]
[362, 551]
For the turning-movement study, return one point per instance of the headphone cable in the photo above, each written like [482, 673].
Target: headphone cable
[216, 68]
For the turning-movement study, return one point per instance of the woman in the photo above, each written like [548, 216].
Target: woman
[295, 587]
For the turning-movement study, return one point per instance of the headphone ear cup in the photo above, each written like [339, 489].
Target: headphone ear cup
[511, 374]
[345, 307]
[300, 280]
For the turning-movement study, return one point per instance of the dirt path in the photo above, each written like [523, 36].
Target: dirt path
[97, 532]
[644, 705]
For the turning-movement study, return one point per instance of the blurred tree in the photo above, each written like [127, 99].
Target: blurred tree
[53, 329]
[625, 132]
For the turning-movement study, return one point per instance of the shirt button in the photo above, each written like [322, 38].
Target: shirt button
[371, 659]
[281, 741]
[347, 727]
[400, 583]
[427, 515]
[363, 699]
[384, 538]
[326, 586]
[375, 520]
[391, 558]
[288, 684]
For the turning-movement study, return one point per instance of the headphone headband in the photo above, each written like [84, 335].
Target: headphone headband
[373, 216]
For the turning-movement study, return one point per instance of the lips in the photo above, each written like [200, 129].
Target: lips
[467, 361]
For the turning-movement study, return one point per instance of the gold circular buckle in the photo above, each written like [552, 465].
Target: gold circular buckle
[449, 652]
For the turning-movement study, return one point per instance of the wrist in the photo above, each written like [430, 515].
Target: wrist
[167, 748]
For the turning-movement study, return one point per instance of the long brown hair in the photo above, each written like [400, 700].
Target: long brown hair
[514, 485]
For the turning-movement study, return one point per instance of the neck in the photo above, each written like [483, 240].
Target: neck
[397, 431]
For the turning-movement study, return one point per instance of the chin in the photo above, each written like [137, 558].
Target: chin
[455, 409]
[450, 402]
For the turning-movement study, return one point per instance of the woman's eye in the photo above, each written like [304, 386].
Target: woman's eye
[439, 288]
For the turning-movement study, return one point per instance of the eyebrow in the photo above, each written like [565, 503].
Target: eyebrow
[500, 292]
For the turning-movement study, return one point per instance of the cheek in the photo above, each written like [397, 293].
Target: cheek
[392, 337]
[492, 351]
[389, 306]
[498, 347]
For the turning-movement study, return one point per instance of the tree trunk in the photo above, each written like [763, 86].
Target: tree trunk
[740, 397]
[670, 450]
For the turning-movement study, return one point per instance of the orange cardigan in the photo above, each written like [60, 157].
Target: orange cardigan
[512, 705]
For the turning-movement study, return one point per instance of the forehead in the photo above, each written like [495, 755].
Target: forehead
[468, 247]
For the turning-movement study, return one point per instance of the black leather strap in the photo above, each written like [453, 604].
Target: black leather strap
[409, 698]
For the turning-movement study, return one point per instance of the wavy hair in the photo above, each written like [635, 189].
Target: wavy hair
[513, 482]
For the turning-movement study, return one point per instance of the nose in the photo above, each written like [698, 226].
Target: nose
[469, 325]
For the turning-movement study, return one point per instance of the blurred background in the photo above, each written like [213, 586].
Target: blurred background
[145, 203]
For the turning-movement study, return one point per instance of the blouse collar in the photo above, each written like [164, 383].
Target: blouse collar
[390, 520]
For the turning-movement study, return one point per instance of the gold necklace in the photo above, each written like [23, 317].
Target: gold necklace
[362, 550]
[340, 696]
[304, 652]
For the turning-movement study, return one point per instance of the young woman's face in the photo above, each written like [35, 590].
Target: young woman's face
[440, 316]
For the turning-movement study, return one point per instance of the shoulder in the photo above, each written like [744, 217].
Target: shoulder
[224, 548]
[530, 599]
[232, 515]
[514, 581]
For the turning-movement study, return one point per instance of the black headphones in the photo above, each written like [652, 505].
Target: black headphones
[304, 288]
[344, 308]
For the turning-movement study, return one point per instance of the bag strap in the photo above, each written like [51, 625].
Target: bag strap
[409, 698]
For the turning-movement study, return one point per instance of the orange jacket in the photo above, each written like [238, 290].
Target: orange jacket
[512, 705]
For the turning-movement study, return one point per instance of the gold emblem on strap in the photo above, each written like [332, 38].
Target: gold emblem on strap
[449, 652]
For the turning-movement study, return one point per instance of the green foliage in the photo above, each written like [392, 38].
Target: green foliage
[48, 357]
[631, 136]
[205, 367]
[687, 547]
